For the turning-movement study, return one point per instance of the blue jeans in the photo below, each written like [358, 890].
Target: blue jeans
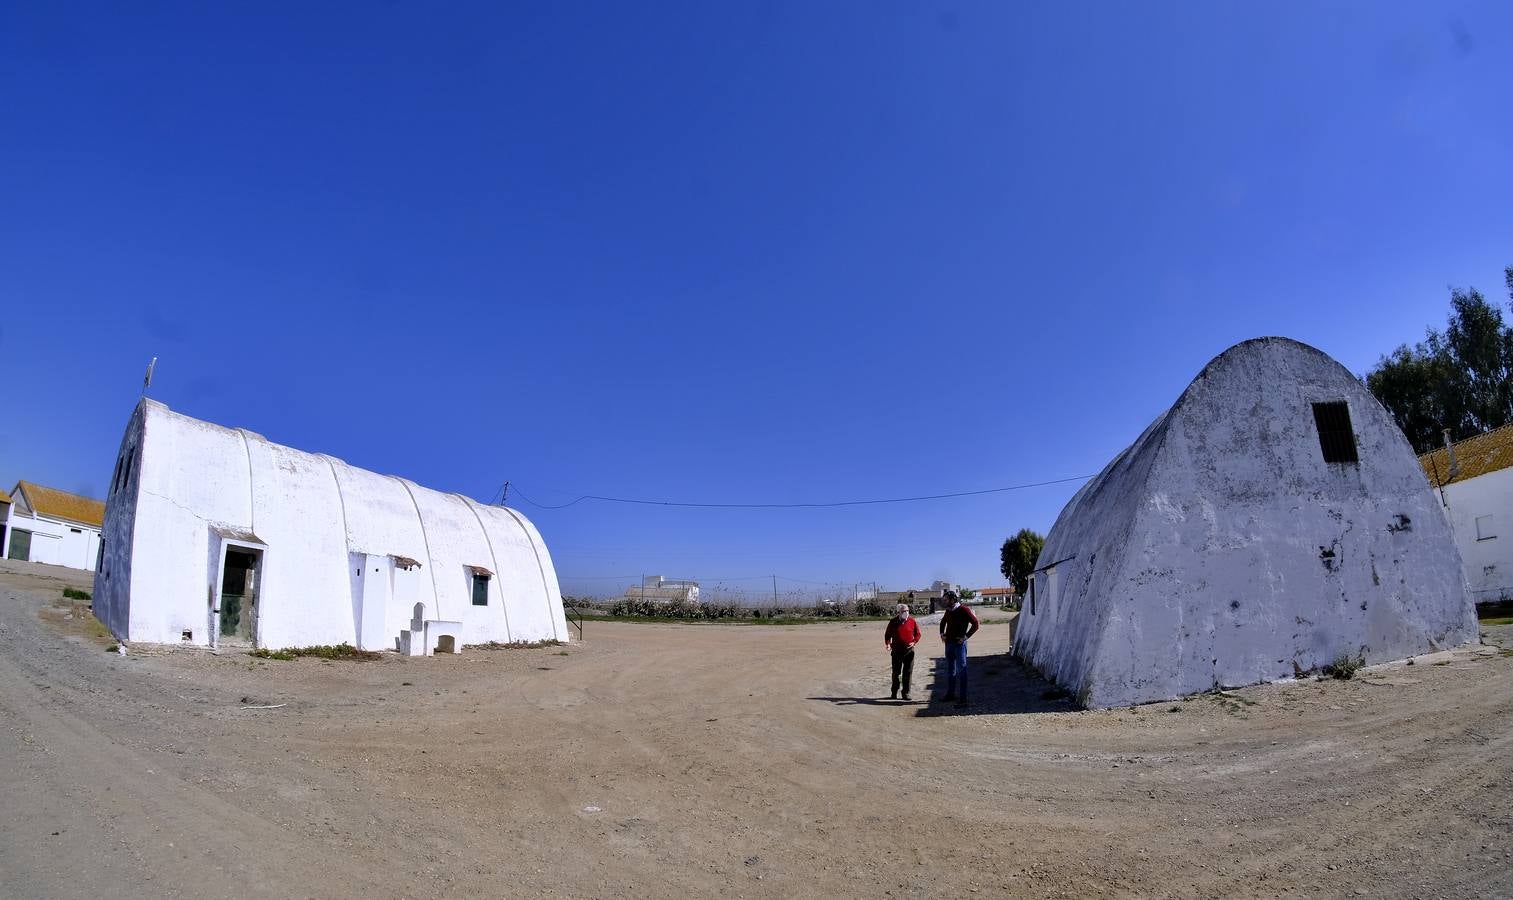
[956, 669]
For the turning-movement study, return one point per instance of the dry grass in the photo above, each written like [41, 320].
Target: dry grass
[70, 615]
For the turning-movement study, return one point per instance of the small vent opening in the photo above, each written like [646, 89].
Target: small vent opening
[1336, 437]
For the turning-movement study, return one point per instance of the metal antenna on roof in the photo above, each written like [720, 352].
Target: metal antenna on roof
[147, 379]
[504, 495]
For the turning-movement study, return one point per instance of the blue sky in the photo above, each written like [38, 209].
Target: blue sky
[716, 252]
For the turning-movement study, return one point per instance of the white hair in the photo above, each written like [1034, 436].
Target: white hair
[902, 607]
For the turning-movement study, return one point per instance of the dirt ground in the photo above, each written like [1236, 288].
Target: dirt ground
[742, 761]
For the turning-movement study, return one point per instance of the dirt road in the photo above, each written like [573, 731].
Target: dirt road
[656, 760]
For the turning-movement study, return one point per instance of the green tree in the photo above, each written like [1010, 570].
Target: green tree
[1017, 557]
[1460, 378]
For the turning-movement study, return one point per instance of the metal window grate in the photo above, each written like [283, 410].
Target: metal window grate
[1336, 437]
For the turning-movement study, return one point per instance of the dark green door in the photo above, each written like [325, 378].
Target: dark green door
[239, 594]
[21, 545]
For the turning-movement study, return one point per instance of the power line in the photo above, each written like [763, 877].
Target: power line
[705, 579]
[831, 504]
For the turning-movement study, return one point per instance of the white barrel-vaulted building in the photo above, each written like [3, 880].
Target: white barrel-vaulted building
[1272, 521]
[216, 534]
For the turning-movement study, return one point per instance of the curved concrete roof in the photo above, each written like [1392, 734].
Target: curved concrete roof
[1220, 548]
[314, 512]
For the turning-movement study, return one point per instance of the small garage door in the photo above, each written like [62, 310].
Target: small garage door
[21, 545]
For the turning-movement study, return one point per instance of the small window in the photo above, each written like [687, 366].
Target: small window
[1336, 438]
[1484, 528]
[76, 530]
[480, 589]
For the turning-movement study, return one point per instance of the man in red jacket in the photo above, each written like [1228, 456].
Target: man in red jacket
[900, 637]
[957, 624]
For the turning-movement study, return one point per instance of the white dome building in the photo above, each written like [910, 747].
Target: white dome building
[216, 534]
[1271, 521]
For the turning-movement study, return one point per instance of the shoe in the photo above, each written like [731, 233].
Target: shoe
[906, 698]
[894, 696]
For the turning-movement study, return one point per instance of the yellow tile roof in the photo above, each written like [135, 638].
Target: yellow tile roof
[1477, 456]
[61, 504]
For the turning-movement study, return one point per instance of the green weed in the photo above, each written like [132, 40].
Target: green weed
[1344, 666]
[517, 645]
[319, 651]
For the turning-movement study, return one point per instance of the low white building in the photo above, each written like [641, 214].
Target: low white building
[218, 535]
[5, 515]
[1271, 522]
[47, 525]
[996, 595]
[1475, 481]
[655, 587]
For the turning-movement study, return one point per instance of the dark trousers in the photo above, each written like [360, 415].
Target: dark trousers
[903, 665]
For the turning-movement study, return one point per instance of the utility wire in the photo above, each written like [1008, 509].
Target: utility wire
[999, 490]
[708, 579]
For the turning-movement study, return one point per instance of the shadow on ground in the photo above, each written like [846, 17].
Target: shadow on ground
[866, 701]
[999, 685]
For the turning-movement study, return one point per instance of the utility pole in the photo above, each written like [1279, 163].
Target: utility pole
[774, 590]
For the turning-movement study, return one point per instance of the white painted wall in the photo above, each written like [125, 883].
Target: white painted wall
[57, 542]
[1476, 508]
[326, 525]
[1220, 549]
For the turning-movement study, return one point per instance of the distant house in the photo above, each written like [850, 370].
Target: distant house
[996, 595]
[5, 513]
[1475, 482]
[933, 595]
[47, 525]
[655, 587]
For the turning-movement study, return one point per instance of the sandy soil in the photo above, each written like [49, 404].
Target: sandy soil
[657, 760]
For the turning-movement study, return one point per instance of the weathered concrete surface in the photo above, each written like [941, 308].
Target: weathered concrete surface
[331, 531]
[1220, 549]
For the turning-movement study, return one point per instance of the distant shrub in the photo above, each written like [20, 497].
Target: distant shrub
[721, 609]
[73, 594]
[678, 609]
